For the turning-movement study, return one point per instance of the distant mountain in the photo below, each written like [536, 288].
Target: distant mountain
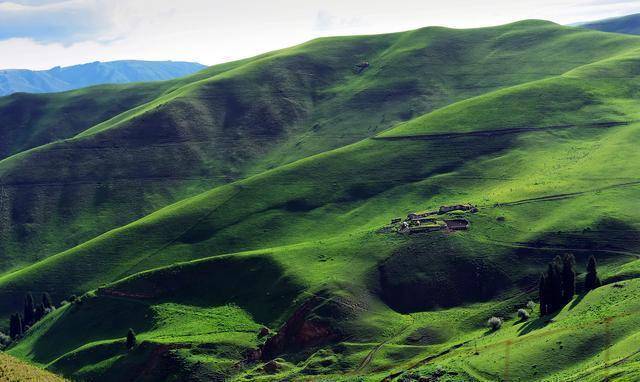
[78, 76]
[626, 24]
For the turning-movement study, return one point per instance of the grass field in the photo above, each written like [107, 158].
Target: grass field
[12, 370]
[280, 215]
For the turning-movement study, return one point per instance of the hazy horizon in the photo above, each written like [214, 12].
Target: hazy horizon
[41, 34]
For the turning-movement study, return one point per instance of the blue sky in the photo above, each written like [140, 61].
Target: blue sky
[38, 34]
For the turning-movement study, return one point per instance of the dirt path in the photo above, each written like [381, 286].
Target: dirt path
[425, 361]
[367, 360]
[566, 195]
[550, 248]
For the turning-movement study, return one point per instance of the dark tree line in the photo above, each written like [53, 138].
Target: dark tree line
[32, 313]
[558, 284]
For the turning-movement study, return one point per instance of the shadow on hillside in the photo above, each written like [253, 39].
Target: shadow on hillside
[577, 300]
[536, 324]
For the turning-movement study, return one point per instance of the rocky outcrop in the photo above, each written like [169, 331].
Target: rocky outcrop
[302, 330]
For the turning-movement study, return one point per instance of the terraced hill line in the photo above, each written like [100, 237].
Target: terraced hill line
[503, 131]
[552, 197]
[559, 249]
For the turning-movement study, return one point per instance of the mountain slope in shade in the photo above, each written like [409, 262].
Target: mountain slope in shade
[78, 76]
[627, 24]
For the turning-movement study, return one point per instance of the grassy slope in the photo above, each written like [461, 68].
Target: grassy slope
[314, 220]
[31, 120]
[12, 369]
[240, 119]
[590, 340]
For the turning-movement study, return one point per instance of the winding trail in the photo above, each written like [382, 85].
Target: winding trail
[425, 361]
[367, 360]
[550, 248]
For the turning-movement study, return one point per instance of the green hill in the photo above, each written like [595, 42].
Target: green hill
[307, 159]
[239, 119]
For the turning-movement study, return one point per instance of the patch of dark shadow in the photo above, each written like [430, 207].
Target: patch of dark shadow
[103, 194]
[424, 276]
[607, 234]
[406, 115]
[427, 336]
[397, 92]
[363, 191]
[298, 205]
[257, 284]
[197, 234]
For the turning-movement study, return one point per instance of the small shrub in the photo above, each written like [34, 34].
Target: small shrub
[523, 315]
[5, 340]
[494, 323]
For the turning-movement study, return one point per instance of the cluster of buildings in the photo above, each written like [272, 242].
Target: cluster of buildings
[441, 219]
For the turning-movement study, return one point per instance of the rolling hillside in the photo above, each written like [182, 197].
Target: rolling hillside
[287, 169]
[240, 119]
[96, 73]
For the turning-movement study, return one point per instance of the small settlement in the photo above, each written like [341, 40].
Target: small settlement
[445, 218]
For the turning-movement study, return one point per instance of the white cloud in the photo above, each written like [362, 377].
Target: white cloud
[41, 34]
[325, 21]
[55, 21]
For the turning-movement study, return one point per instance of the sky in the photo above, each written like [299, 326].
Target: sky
[40, 34]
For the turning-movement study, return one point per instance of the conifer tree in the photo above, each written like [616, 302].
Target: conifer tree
[542, 290]
[591, 281]
[15, 326]
[131, 339]
[554, 286]
[39, 313]
[46, 301]
[568, 278]
[29, 310]
[12, 326]
[558, 291]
